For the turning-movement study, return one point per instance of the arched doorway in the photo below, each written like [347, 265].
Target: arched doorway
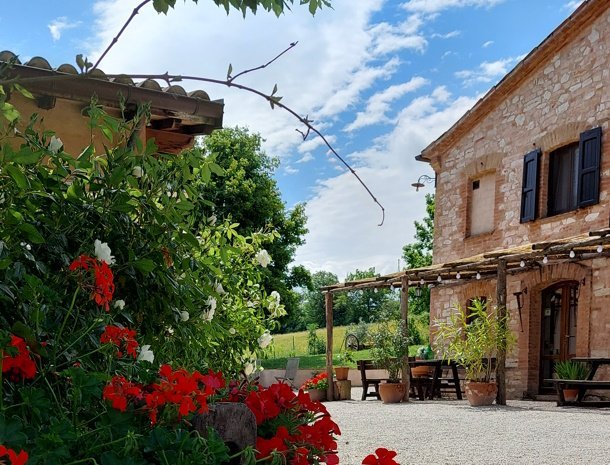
[557, 329]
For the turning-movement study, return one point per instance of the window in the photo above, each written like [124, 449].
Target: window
[563, 180]
[574, 172]
[482, 204]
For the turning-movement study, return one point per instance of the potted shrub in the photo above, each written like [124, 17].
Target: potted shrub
[569, 369]
[423, 353]
[390, 351]
[342, 368]
[316, 386]
[473, 339]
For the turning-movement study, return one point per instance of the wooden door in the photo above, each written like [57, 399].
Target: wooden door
[558, 329]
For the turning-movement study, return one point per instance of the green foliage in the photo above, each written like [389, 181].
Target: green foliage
[275, 6]
[390, 347]
[425, 352]
[474, 338]
[346, 357]
[568, 369]
[315, 344]
[367, 304]
[361, 331]
[247, 195]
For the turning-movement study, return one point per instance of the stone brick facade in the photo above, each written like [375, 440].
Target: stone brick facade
[560, 89]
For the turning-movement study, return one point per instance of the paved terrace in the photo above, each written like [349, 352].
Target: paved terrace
[452, 432]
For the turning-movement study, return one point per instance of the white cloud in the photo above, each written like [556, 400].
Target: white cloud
[290, 169]
[379, 104]
[449, 35]
[572, 4]
[435, 6]
[305, 158]
[488, 71]
[489, 43]
[388, 38]
[58, 25]
[343, 219]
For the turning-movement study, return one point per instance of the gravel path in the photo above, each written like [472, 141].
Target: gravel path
[452, 432]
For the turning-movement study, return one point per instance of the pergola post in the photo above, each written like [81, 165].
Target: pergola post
[404, 314]
[501, 315]
[329, 345]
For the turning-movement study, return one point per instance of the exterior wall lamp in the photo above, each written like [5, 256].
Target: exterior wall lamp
[420, 181]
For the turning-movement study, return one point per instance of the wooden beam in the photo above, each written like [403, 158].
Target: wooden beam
[501, 359]
[404, 317]
[330, 392]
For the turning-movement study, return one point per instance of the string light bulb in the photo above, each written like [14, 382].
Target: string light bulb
[522, 264]
[478, 275]
[600, 249]
[421, 281]
[458, 275]
[572, 254]
[545, 260]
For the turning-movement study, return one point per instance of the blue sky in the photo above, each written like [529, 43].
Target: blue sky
[381, 79]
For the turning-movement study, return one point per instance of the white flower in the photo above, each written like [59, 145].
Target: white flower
[146, 354]
[55, 144]
[170, 330]
[103, 252]
[275, 295]
[1, 198]
[184, 315]
[120, 304]
[232, 331]
[219, 289]
[137, 171]
[265, 339]
[212, 219]
[249, 368]
[263, 258]
[207, 316]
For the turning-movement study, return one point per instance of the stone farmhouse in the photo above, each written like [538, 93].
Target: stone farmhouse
[61, 95]
[525, 174]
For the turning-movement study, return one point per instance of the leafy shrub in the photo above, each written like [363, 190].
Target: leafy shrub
[315, 344]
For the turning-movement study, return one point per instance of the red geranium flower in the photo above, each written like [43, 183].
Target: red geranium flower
[16, 458]
[19, 366]
[384, 457]
[123, 338]
[102, 287]
[119, 391]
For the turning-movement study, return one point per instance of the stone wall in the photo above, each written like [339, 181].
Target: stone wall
[562, 97]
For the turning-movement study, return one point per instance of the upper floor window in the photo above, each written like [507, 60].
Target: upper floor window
[563, 180]
[482, 204]
[573, 180]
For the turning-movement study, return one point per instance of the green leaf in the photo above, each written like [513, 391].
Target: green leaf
[32, 233]
[10, 431]
[25, 156]
[17, 176]
[9, 111]
[144, 265]
[229, 71]
[5, 263]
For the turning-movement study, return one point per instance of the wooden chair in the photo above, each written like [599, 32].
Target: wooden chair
[292, 365]
[363, 366]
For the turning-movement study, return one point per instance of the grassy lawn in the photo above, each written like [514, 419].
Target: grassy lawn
[295, 345]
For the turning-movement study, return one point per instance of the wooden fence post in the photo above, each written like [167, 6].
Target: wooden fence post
[501, 315]
[328, 298]
[404, 314]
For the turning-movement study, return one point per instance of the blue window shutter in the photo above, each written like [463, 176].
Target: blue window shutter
[589, 157]
[529, 190]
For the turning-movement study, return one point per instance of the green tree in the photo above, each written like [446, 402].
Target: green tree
[248, 195]
[419, 254]
[313, 307]
[366, 304]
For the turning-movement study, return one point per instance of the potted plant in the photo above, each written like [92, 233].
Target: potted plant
[390, 351]
[473, 338]
[569, 369]
[316, 386]
[342, 368]
[423, 353]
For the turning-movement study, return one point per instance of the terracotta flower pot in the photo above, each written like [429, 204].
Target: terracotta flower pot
[570, 395]
[317, 394]
[392, 393]
[420, 372]
[481, 393]
[341, 373]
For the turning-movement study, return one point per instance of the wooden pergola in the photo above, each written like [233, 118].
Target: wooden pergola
[497, 264]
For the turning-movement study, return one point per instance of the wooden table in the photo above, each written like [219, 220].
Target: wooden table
[583, 384]
[437, 378]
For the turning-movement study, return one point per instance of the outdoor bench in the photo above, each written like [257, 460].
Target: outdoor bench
[364, 365]
[582, 385]
[422, 386]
